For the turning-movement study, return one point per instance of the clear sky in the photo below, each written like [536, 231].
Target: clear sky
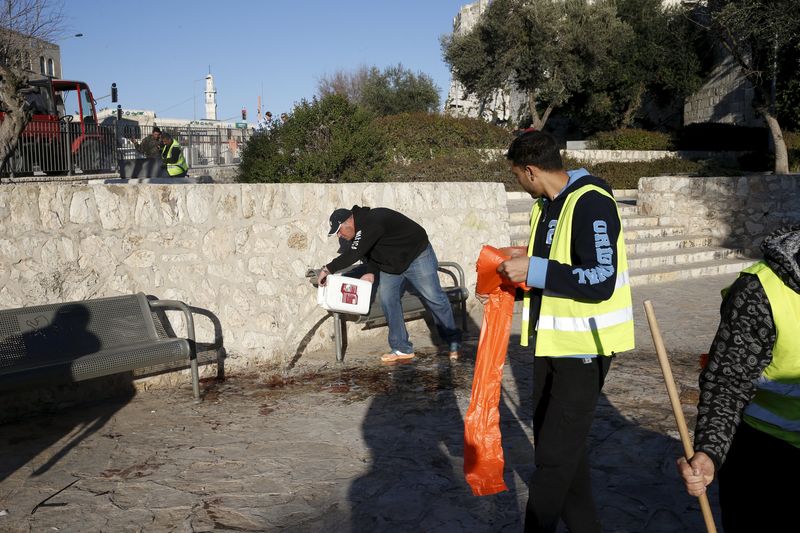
[279, 49]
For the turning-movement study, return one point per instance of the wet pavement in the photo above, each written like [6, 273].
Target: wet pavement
[363, 447]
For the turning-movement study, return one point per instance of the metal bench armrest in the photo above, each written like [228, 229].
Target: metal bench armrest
[180, 306]
[460, 280]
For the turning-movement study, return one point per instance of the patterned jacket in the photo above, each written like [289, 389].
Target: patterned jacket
[742, 347]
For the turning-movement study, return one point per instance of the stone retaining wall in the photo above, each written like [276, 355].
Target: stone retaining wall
[738, 211]
[240, 251]
[631, 156]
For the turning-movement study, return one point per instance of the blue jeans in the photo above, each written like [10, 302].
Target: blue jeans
[422, 274]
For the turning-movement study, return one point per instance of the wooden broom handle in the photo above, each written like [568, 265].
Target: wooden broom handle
[669, 381]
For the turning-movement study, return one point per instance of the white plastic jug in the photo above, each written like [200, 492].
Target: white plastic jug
[345, 295]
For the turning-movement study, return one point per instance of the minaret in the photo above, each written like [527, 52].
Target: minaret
[211, 98]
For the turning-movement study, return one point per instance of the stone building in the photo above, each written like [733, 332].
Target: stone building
[39, 58]
[504, 107]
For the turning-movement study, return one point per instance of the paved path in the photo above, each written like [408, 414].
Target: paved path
[361, 448]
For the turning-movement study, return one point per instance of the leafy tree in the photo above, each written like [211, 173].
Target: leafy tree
[399, 90]
[659, 66]
[756, 33]
[24, 27]
[348, 84]
[326, 140]
[548, 49]
[389, 92]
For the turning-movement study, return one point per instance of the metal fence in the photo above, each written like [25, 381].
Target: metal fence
[202, 146]
[64, 148]
[59, 148]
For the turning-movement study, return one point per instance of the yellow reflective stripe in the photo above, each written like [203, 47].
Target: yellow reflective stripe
[592, 323]
[615, 339]
[525, 330]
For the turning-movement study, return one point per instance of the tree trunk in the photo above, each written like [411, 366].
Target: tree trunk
[536, 121]
[17, 113]
[781, 155]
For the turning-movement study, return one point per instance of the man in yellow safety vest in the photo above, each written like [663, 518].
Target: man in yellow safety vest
[172, 154]
[579, 301]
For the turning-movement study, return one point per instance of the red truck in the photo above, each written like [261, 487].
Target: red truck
[63, 135]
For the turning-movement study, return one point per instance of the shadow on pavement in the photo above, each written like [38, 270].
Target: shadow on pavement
[413, 429]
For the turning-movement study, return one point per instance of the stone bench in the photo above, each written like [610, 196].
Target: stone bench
[76, 341]
[412, 304]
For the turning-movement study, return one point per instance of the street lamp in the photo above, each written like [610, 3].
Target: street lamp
[68, 37]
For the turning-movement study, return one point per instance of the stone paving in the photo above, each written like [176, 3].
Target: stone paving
[363, 447]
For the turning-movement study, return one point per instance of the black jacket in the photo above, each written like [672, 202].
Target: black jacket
[584, 278]
[388, 240]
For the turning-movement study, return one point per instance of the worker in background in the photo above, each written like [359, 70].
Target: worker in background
[398, 250]
[266, 123]
[172, 154]
[748, 414]
[150, 146]
[580, 303]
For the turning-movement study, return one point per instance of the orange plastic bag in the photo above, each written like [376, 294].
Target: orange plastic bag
[483, 448]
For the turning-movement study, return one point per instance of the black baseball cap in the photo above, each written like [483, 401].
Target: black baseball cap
[337, 218]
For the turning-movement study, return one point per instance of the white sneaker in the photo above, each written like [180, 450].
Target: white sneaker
[397, 355]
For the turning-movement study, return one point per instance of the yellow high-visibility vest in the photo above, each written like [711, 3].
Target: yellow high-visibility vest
[173, 169]
[570, 327]
[775, 409]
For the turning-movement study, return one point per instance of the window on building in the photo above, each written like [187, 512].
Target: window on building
[41, 65]
[50, 68]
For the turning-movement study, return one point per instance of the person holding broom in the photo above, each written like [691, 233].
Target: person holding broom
[748, 414]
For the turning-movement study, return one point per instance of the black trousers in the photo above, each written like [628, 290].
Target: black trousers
[565, 393]
[758, 483]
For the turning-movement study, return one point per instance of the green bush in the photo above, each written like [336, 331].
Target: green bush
[630, 139]
[457, 165]
[325, 140]
[419, 136]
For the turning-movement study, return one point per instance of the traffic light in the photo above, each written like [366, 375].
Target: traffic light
[244, 114]
[114, 92]
[119, 112]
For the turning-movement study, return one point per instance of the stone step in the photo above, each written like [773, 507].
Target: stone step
[634, 247]
[650, 232]
[666, 244]
[519, 229]
[626, 193]
[519, 239]
[520, 206]
[518, 223]
[684, 258]
[638, 221]
[520, 210]
[618, 193]
[663, 274]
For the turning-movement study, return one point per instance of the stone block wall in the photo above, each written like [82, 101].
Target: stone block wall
[239, 250]
[631, 156]
[737, 211]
